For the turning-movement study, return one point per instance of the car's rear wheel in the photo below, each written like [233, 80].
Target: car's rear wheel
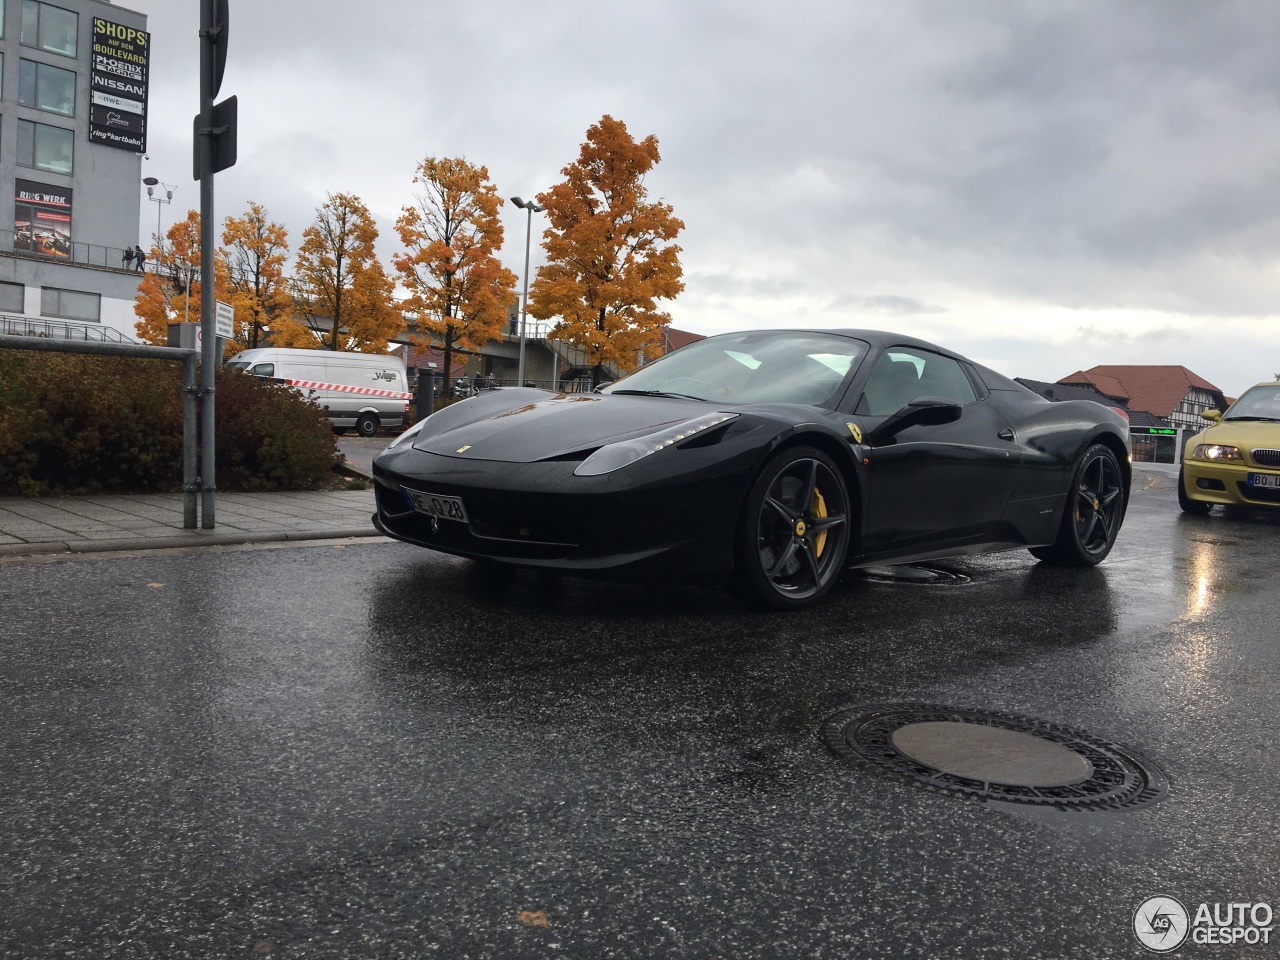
[1093, 513]
[366, 425]
[1197, 507]
[794, 534]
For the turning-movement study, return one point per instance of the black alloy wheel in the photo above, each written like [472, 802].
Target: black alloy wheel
[366, 424]
[794, 533]
[1093, 514]
[1196, 507]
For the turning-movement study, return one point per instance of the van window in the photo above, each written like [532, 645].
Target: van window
[263, 370]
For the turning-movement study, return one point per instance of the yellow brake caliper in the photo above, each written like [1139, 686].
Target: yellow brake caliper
[819, 510]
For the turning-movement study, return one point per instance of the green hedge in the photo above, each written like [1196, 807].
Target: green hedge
[71, 423]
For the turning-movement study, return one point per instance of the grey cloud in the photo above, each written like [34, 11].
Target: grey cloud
[920, 153]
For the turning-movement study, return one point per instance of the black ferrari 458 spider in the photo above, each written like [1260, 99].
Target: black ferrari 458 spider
[770, 460]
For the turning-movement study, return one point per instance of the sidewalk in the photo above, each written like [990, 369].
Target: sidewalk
[31, 526]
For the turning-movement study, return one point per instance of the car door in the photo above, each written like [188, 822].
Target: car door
[934, 483]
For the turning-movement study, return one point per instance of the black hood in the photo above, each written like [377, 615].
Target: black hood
[548, 425]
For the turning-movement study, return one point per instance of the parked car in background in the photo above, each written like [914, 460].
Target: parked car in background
[1236, 460]
[361, 390]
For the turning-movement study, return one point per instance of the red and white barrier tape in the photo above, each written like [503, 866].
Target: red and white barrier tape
[342, 388]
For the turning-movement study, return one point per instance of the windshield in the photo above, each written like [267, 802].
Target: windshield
[775, 367]
[1258, 403]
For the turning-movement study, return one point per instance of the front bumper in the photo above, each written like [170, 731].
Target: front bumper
[1227, 483]
[631, 524]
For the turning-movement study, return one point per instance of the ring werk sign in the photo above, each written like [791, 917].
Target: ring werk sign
[118, 86]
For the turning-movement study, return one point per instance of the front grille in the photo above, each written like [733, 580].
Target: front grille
[1266, 458]
[1258, 495]
[496, 528]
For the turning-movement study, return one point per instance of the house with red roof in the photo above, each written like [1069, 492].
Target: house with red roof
[1168, 392]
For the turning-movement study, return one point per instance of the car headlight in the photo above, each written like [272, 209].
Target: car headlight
[1216, 451]
[614, 456]
[408, 434]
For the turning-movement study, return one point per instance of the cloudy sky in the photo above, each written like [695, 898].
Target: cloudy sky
[1044, 186]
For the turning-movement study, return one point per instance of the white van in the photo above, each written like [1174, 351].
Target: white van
[361, 390]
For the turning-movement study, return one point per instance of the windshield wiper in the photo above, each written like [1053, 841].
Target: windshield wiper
[656, 393]
[1255, 419]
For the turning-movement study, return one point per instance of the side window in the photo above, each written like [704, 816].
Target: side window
[13, 297]
[264, 370]
[46, 87]
[902, 374]
[944, 377]
[49, 28]
[43, 147]
[70, 304]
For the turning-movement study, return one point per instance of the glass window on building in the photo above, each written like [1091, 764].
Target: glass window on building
[46, 87]
[70, 304]
[43, 147]
[13, 296]
[48, 27]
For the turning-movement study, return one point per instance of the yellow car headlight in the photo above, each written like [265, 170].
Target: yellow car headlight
[1216, 451]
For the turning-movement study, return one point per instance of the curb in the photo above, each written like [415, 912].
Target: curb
[192, 539]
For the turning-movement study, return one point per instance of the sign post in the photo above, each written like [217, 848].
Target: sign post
[215, 139]
[225, 320]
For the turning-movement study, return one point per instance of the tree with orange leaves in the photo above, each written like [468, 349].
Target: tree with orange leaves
[459, 289]
[610, 253]
[170, 291]
[256, 249]
[342, 295]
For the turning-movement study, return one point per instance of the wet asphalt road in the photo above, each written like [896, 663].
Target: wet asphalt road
[372, 751]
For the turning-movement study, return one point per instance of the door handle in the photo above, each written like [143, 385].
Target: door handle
[1005, 434]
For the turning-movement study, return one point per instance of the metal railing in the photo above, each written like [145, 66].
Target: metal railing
[13, 325]
[58, 250]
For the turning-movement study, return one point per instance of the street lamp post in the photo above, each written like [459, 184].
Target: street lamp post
[152, 183]
[530, 207]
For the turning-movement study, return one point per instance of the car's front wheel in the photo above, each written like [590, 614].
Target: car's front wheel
[1093, 513]
[1196, 507]
[794, 534]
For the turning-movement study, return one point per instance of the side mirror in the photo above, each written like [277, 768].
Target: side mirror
[922, 411]
[1214, 415]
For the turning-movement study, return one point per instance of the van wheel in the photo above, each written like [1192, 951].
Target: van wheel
[366, 425]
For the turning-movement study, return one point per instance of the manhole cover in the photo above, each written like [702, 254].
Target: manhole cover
[913, 573]
[996, 756]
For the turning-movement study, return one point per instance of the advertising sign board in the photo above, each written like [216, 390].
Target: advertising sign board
[118, 83]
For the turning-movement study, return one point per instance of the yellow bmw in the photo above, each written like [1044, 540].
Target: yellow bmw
[1236, 461]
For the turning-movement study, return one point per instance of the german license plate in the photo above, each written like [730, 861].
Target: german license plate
[1269, 480]
[438, 505]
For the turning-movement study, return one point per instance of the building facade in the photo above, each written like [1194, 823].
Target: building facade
[74, 80]
[1165, 403]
